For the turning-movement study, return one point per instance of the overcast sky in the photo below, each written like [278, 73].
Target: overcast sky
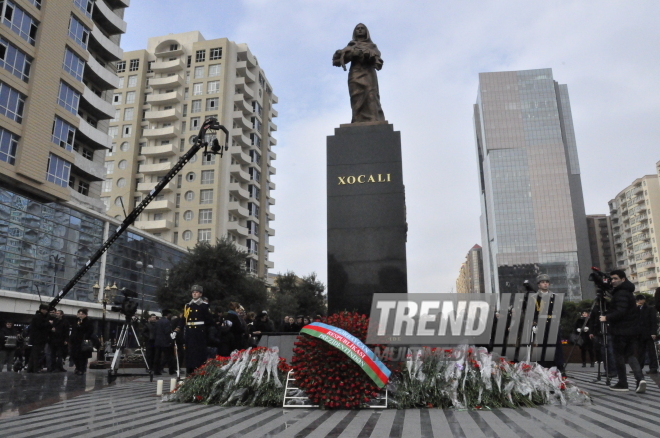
[606, 51]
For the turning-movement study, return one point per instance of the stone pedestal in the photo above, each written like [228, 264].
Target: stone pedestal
[366, 216]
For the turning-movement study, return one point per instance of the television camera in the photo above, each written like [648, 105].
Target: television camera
[601, 280]
[125, 304]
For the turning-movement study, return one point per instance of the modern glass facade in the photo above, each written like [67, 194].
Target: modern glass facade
[533, 218]
[43, 244]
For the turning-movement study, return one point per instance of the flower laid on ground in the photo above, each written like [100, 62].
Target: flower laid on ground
[252, 377]
[469, 377]
[327, 376]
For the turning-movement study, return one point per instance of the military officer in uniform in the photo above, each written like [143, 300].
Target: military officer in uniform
[543, 283]
[196, 321]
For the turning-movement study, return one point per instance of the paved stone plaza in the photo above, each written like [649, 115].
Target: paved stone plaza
[58, 405]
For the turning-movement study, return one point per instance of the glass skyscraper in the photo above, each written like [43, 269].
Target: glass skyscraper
[532, 209]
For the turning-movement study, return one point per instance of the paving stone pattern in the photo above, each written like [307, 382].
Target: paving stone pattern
[131, 409]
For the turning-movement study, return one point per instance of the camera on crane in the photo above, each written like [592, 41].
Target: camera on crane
[125, 304]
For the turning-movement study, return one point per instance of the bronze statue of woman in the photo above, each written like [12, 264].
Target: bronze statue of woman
[365, 59]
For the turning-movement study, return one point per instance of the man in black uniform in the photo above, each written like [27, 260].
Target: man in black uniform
[197, 319]
[39, 329]
[543, 283]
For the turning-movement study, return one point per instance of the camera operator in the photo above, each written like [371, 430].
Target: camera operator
[622, 318]
[8, 344]
[648, 321]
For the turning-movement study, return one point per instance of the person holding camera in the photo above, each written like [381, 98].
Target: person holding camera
[648, 321]
[623, 320]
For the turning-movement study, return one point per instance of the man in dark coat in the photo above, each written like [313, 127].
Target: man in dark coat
[8, 345]
[59, 339]
[196, 321]
[648, 324]
[263, 324]
[39, 329]
[163, 345]
[623, 320]
[148, 335]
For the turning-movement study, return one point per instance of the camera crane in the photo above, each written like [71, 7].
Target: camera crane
[209, 127]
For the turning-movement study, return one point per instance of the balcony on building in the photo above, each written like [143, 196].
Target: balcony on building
[274, 112]
[237, 228]
[168, 82]
[272, 140]
[270, 215]
[168, 66]
[154, 226]
[242, 104]
[147, 187]
[105, 17]
[89, 170]
[271, 201]
[236, 208]
[168, 115]
[273, 126]
[165, 98]
[268, 264]
[272, 170]
[271, 185]
[162, 133]
[163, 150]
[270, 231]
[238, 154]
[94, 105]
[275, 98]
[96, 72]
[102, 45]
[116, 4]
[273, 155]
[91, 136]
[237, 172]
[242, 69]
[240, 119]
[270, 248]
[155, 168]
[237, 190]
[160, 206]
[242, 88]
[243, 54]
[240, 138]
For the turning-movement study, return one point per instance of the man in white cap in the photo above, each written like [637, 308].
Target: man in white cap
[196, 321]
[543, 283]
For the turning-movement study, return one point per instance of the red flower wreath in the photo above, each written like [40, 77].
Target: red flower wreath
[329, 377]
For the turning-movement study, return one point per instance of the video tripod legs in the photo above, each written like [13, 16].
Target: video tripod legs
[122, 341]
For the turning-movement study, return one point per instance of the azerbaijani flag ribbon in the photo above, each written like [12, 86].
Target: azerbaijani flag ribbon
[353, 348]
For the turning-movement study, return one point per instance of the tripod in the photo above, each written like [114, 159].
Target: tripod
[603, 331]
[121, 346]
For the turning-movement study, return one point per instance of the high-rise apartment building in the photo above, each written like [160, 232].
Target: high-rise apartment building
[165, 92]
[533, 218]
[471, 275]
[57, 80]
[601, 246]
[635, 215]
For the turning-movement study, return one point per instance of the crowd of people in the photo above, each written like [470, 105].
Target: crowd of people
[47, 342]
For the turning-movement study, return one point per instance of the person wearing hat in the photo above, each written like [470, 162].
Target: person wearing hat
[648, 322]
[263, 324]
[196, 321]
[39, 330]
[543, 284]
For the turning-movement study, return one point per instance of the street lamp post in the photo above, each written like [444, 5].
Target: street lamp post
[96, 288]
[143, 268]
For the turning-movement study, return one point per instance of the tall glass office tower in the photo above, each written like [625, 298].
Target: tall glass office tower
[532, 210]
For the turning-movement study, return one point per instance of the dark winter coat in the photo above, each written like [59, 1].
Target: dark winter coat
[80, 331]
[623, 315]
[39, 329]
[238, 330]
[61, 333]
[4, 334]
[648, 321]
[263, 326]
[162, 330]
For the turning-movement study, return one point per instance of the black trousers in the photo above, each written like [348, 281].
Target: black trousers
[36, 358]
[647, 345]
[57, 356]
[164, 356]
[625, 348]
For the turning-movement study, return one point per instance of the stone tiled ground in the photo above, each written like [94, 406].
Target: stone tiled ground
[131, 409]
